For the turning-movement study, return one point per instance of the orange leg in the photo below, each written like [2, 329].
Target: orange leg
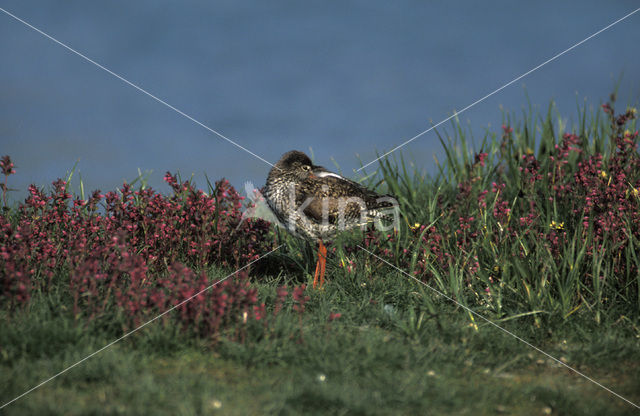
[315, 276]
[322, 261]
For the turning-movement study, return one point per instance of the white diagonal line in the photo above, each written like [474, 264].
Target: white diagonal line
[456, 113]
[502, 329]
[135, 86]
[136, 329]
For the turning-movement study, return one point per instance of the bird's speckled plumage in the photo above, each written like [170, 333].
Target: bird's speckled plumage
[301, 194]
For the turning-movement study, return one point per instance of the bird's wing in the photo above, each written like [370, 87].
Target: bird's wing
[331, 192]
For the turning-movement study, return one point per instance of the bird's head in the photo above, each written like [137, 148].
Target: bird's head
[295, 164]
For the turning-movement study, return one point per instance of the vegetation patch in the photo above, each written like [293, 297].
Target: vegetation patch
[535, 228]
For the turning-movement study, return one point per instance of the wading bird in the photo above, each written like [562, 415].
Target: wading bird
[317, 204]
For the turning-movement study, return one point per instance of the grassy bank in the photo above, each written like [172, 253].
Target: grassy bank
[534, 227]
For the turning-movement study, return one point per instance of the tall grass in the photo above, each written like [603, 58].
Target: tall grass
[536, 219]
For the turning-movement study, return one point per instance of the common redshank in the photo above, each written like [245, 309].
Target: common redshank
[316, 204]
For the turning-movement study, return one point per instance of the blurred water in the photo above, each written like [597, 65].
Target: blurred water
[343, 78]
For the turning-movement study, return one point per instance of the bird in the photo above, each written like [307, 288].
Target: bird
[317, 204]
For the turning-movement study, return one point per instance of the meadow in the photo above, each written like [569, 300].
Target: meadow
[534, 227]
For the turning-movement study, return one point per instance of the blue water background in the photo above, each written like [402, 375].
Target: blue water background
[345, 79]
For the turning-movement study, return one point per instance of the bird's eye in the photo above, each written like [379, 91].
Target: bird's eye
[306, 167]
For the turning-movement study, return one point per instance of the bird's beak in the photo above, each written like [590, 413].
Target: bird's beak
[313, 169]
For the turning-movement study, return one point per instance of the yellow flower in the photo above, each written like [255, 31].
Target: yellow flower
[415, 227]
[557, 225]
[627, 133]
[632, 110]
[603, 174]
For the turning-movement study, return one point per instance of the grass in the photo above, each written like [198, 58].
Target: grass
[385, 354]
[397, 347]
